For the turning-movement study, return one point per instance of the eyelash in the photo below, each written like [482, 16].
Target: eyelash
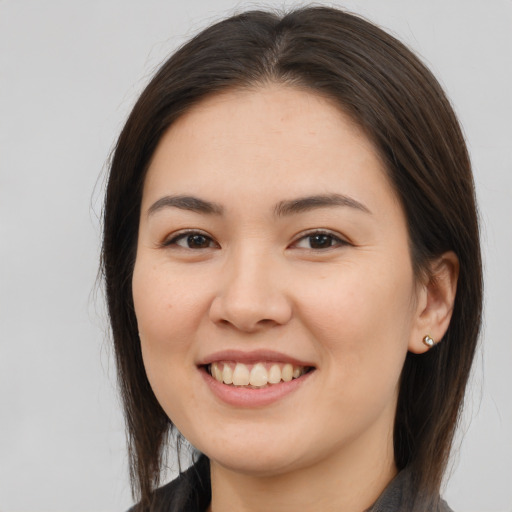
[186, 235]
[338, 241]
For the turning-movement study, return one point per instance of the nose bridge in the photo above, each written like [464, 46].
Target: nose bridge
[251, 293]
[251, 272]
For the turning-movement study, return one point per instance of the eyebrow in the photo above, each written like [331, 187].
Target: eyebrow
[190, 203]
[308, 203]
[282, 209]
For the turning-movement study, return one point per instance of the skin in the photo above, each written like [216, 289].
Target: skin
[352, 308]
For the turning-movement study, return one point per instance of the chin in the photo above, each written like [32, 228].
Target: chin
[258, 465]
[260, 456]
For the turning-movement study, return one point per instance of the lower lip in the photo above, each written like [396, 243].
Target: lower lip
[250, 397]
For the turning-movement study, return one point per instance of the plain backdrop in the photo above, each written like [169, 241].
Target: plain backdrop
[69, 73]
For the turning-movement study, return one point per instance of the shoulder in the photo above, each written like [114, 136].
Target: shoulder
[189, 492]
[399, 496]
[443, 507]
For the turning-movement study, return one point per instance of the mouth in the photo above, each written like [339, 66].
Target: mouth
[257, 375]
[254, 379]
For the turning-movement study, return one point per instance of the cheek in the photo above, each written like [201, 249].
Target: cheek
[356, 301]
[362, 318]
[168, 310]
[168, 305]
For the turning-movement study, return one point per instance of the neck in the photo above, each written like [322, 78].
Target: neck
[351, 482]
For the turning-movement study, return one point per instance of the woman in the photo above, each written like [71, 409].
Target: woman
[293, 269]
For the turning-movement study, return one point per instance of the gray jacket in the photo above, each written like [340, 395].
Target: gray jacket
[191, 492]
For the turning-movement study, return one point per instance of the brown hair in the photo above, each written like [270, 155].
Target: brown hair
[403, 110]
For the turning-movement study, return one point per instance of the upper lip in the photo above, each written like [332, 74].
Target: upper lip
[251, 357]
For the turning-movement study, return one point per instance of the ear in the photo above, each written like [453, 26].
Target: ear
[436, 296]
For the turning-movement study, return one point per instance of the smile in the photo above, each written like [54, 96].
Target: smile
[258, 375]
[254, 379]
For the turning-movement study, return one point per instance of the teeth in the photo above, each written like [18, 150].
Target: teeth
[217, 373]
[257, 375]
[287, 373]
[227, 374]
[274, 375]
[240, 375]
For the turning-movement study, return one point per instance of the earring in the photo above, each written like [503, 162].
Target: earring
[429, 341]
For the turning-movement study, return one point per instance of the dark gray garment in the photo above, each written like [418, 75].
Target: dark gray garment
[398, 495]
[191, 492]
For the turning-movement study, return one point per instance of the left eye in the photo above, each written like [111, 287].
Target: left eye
[319, 241]
[192, 241]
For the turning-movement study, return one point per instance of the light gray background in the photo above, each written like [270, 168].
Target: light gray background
[69, 73]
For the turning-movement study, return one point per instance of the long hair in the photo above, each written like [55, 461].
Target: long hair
[400, 106]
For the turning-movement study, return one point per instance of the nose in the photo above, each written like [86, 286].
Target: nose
[251, 295]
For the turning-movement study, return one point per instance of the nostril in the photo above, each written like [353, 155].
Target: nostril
[250, 308]
[245, 324]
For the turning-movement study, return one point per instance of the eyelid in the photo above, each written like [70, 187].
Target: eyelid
[342, 241]
[171, 239]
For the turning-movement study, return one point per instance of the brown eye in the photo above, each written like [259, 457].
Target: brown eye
[197, 241]
[192, 240]
[321, 241]
[318, 241]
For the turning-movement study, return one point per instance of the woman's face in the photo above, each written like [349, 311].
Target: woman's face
[273, 247]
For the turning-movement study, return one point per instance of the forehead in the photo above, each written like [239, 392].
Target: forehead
[270, 140]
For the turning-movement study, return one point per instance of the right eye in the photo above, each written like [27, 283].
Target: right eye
[191, 240]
